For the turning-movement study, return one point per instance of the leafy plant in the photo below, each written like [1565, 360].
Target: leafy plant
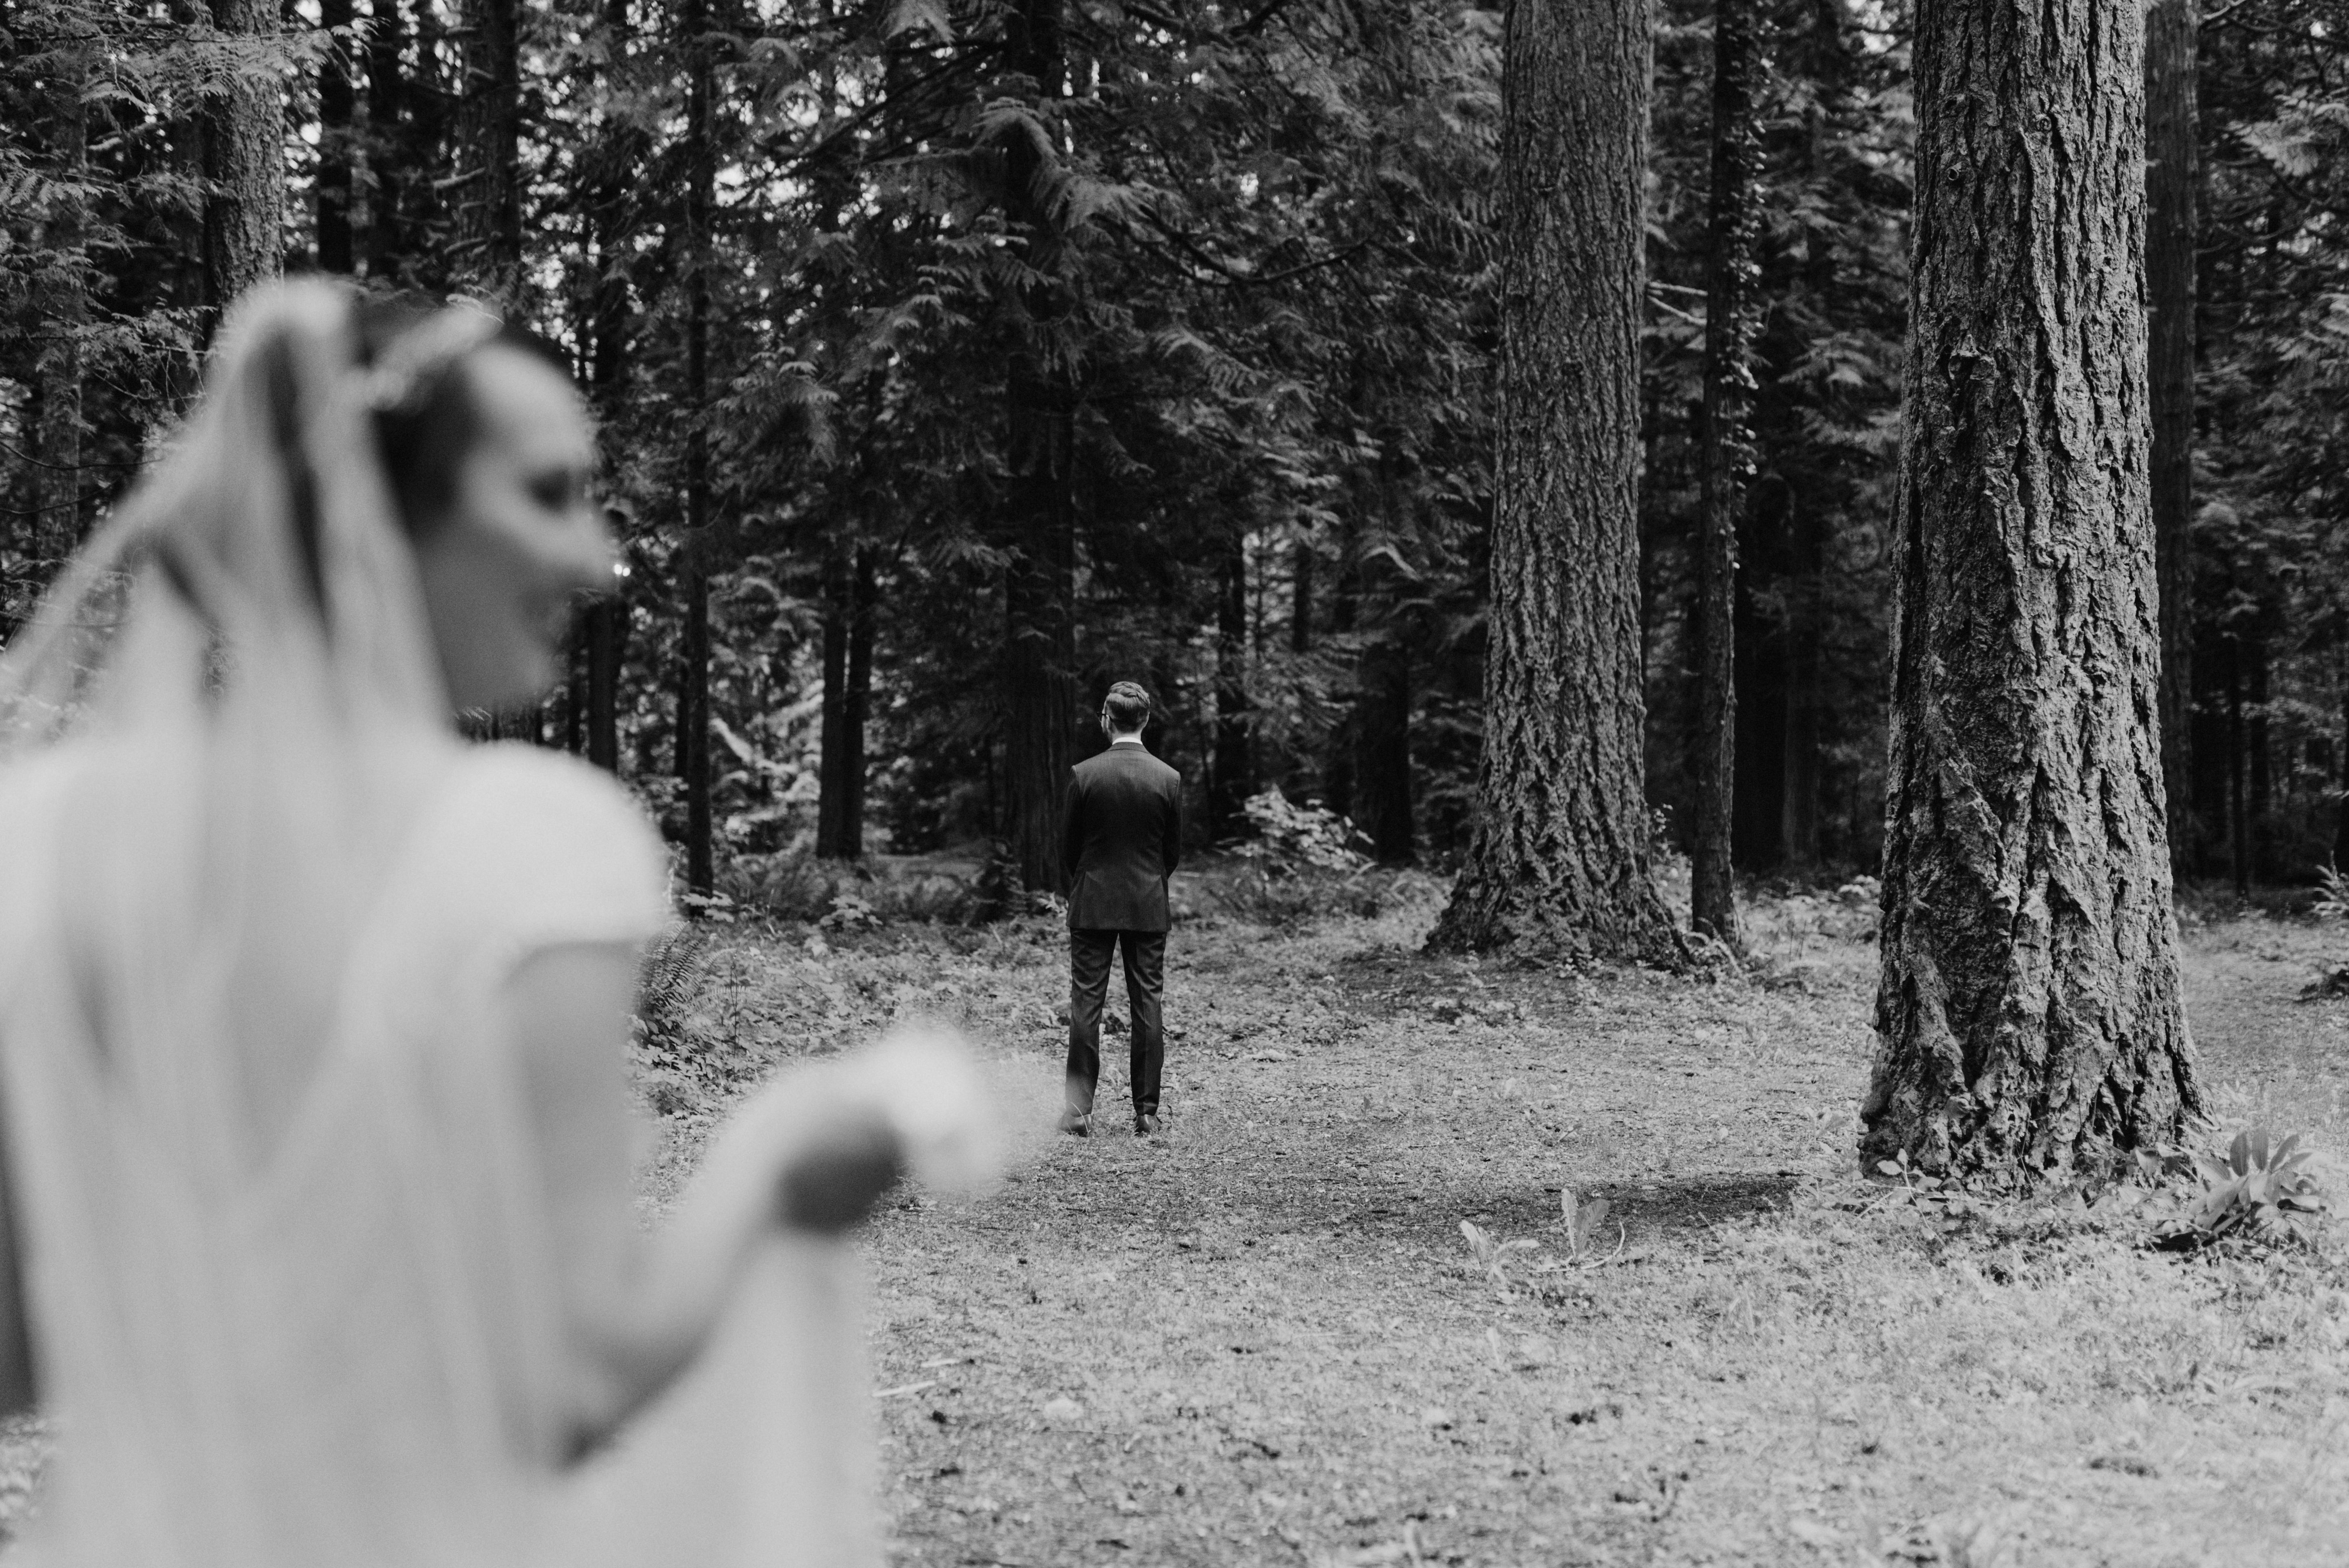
[849, 911]
[666, 981]
[1492, 1253]
[1293, 834]
[1582, 1221]
[2263, 1189]
[2332, 893]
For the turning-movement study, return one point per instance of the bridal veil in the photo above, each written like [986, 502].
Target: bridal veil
[286, 1257]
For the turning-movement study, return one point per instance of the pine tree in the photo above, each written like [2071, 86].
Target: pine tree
[2028, 1019]
[1558, 856]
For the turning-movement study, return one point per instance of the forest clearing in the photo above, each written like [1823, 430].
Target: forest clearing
[1263, 1340]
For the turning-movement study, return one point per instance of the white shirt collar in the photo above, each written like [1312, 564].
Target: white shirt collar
[1127, 740]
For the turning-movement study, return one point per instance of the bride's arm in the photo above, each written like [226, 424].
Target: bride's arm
[640, 1304]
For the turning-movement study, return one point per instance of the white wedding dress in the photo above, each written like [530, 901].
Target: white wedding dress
[289, 1270]
[348, 1355]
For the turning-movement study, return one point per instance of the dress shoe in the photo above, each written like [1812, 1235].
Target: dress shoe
[1145, 1125]
[1077, 1123]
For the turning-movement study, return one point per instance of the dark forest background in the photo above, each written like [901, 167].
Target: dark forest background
[955, 360]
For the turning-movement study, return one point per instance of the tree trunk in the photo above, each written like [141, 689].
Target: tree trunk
[62, 315]
[2259, 795]
[1301, 597]
[2170, 26]
[2028, 1018]
[693, 677]
[2341, 771]
[1383, 736]
[2239, 819]
[1345, 590]
[847, 686]
[387, 124]
[336, 98]
[1558, 855]
[489, 142]
[1799, 800]
[1039, 654]
[605, 626]
[1732, 226]
[1233, 779]
[244, 168]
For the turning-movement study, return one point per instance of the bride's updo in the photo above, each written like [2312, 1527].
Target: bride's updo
[413, 350]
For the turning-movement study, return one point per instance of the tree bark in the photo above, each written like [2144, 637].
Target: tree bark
[1300, 597]
[1338, 772]
[1798, 799]
[693, 676]
[335, 101]
[1382, 737]
[488, 140]
[847, 686]
[2239, 818]
[1733, 223]
[1039, 653]
[2170, 29]
[1557, 860]
[244, 170]
[62, 315]
[1233, 777]
[604, 624]
[2028, 1018]
[386, 117]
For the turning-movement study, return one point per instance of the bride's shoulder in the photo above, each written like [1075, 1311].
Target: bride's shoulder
[545, 839]
[541, 795]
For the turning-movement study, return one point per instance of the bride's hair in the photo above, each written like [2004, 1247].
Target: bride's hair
[279, 519]
[426, 419]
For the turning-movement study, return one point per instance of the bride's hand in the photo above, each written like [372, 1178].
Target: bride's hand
[831, 1182]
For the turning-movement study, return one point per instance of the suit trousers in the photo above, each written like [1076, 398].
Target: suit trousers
[1145, 982]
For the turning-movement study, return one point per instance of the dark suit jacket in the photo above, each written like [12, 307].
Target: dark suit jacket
[1121, 836]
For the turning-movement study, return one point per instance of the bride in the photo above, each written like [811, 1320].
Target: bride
[316, 1235]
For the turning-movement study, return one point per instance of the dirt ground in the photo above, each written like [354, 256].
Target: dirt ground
[1262, 1337]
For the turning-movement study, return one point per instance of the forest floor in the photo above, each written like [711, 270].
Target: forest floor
[1262, 1339]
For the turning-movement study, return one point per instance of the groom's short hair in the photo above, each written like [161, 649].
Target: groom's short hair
[1128, 707]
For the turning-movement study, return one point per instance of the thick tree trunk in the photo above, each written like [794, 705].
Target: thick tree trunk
[1732, 227]
[2170, 179]
[1558, 856]
[335, 99]
[1039, 653]
[489, 142]
[2029, 1019]
[693, 677]
[244, 167]
[847, 687]
[1233, 777]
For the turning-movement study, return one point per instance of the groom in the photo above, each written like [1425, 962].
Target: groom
[1121, 834]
